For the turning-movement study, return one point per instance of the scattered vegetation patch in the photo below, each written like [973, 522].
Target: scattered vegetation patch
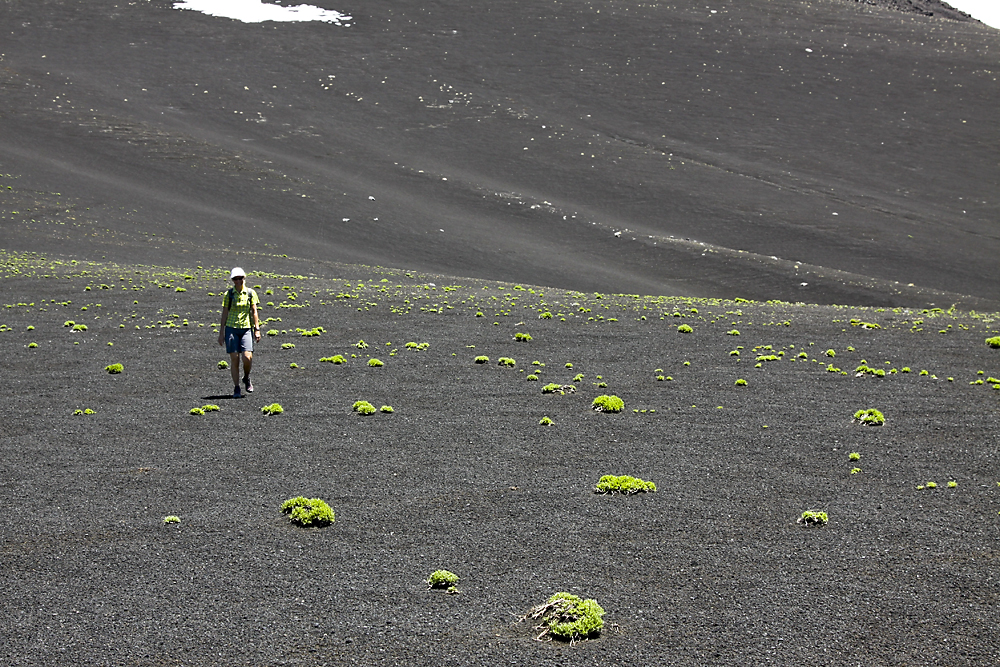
[335, 359]
[114, 369]
[522, 337]
[442, 579]
[869, 417]
[288, 346]
[375, 363]
[740, 382]
[506, 361]
[387, 409]
[567, 617]
[624, 484]
[545, 421]
[273, 409]
[684, 328]
[813, 518]
[605, 403]
[308, 512]
[993, 342]
[553, 388]
[417, 346]
[171, 519]
[482, 359]
[223, 365]
[197, 411]
[363, 408]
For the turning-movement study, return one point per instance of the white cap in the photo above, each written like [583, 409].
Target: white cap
[236, 272]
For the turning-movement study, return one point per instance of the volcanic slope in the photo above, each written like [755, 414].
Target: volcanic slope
[826, 152]
[712, 568]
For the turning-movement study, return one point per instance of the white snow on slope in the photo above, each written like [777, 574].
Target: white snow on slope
[256, 11]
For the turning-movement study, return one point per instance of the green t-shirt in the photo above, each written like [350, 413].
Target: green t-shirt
[239, 309]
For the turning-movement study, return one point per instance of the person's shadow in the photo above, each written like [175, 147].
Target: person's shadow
[220, 397]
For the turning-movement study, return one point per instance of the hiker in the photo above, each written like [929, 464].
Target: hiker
[239, 329]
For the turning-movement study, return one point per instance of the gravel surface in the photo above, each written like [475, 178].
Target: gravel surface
[831, 152]
[710, 569]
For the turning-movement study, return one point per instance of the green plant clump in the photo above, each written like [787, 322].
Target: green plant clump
[387, 409]
[335, 359]
[114, 369]
[273, 409]
[624, 484]
[993, 342]
[197, 411]
[567, 617]
[522, 337]
[506, 361]
[287, 346]
[545, 421]
[375, 363]
[363, 408]
[442, 579]
[813, 518]
[308, 511]
[870, 417]
[482, 359]
[854, 456]
[223, 365]
[741, 382]
[684, 328]
[605, 403]
[171, 519]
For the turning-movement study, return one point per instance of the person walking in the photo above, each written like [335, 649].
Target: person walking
[239, 329]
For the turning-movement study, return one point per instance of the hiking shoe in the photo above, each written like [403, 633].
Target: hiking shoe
[237, 393]
[249, 385]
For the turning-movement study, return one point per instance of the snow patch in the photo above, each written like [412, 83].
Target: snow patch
[256, 11]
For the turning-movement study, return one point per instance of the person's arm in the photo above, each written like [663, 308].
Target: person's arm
[256, 321]
[222, 325]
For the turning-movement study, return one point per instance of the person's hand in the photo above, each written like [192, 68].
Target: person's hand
[256, 336]
[222, 339]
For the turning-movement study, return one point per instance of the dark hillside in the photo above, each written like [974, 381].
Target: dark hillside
[826, 151]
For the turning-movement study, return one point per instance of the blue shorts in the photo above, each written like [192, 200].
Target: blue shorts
[239, 340]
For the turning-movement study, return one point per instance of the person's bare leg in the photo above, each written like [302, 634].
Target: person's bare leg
[247, 365]
[234, 367]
